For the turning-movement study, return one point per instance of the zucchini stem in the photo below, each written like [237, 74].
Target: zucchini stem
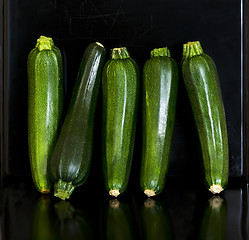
[191, 49]
[149, 192]
[63, 190]
[119, 53]
[45, 191]
[44, 43]
[216, 188]
[114, 192]
[160, 52]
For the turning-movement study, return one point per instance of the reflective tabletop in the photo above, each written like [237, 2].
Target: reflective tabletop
[182, 211]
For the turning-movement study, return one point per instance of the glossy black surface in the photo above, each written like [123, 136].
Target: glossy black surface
[139, 25]
[181, 212]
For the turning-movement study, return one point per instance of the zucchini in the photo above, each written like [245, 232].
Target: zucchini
[45, 102]
[160, 84]
[71, 159]
[120, 81]
[214, 220]
[155, 221]
[202, 83]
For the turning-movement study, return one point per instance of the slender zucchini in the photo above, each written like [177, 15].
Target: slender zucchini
[120, 80]
[160, 84]
[202, 84]
[71, 159]
[45, 102]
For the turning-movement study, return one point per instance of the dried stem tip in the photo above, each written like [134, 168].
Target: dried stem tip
[114, 192]
[216, 188]
[149, 193]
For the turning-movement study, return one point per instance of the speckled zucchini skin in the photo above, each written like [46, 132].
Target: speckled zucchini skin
[45, 102]
[71, 159]
[160, 84]
[202, 84]
[120, 87]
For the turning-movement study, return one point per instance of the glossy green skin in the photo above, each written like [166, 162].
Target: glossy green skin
[45, 102]
[118, 222]
[160, 84]
[155, 221]
[202, 84]
[120, 87]
[214, 220]
[42, 221]
[72, 155]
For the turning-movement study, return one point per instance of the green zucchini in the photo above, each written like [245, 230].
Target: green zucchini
[202, 83]
[120, 81]
[71, 159]
[214, 220]
[160, 84]
[45, 102]
[155, 221]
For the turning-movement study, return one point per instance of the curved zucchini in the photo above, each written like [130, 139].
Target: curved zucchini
[120, 96]
[160, 84]
[71, 159]
[202, 84]
[45, 100]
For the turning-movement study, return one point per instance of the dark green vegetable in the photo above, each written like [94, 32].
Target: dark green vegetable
[202, 84]
[71, 159]
[45, 100]
[160, 84]
[156, 222]
[120, 82]
[214, 221]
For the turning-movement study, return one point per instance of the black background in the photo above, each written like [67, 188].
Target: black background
[140, 26]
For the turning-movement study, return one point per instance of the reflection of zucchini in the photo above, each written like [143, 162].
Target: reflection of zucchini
[72, 224]
[118, 221]
[43, 222]
[214, 221]
[45, 99]
[71, 159]
[160, 83]
[156, 223]
[120, 97]
[202, 84]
